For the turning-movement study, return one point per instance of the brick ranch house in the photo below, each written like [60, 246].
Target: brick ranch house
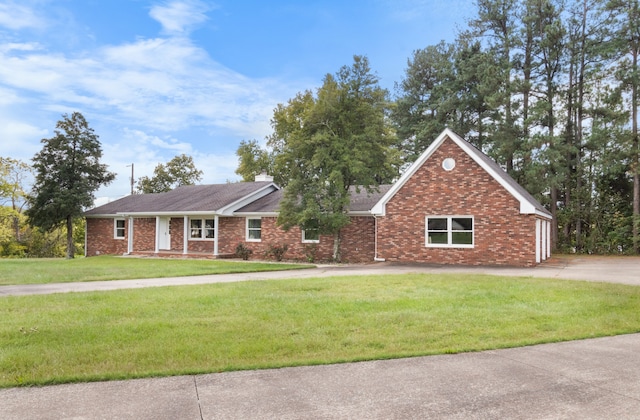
[453, 205]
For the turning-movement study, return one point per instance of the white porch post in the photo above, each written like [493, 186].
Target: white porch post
[157, 251]
[538, 239]
[185, 236]
[548, 244]
[543, 245]
[216, 235]
[130, 239]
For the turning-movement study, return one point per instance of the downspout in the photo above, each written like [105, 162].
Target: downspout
[86, 225]
[375, 240]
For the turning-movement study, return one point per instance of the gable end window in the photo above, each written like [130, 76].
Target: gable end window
[254, 230]
[449, 231]
[203, 229]
[118, 228]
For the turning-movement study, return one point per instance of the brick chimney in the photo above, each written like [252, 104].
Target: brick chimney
[263, 177]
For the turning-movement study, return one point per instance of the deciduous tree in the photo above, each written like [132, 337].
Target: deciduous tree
[254, 160]
[178, 171]
[330, 143]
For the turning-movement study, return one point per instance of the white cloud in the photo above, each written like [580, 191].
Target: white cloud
[172, 96]
[162, 83]
[20, 140]
[146, 151]
[16, 16]
[180, 17]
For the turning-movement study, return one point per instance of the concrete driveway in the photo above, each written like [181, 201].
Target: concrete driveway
[587, 379]
[607, 269]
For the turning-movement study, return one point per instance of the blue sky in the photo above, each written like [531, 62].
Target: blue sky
[155, 79]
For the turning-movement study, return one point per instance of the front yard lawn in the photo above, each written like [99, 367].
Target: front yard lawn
[58, 338]
[43, 270]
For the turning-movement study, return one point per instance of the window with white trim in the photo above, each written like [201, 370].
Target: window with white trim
[204, 229]
[118, 228]
[254, 229]
[310, 233]
[449, 231]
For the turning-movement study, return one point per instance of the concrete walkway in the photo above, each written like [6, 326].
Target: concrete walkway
[587, 379]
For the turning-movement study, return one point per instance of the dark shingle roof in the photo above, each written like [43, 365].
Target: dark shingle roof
[360, 201]
[364, 201]
[267, 204]
[188, 198]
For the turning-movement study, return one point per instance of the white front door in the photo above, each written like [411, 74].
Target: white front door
[164, 235]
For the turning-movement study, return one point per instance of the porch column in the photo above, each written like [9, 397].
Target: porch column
[543, 245]
[539, 244]
[185, 236]
[130, 239]
[157, 251]
[548, 244]
[216, 234]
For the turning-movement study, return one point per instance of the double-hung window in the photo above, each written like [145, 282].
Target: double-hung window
[449, 231]
[254, 230]
[202, 229]
[118, 228]
[311, 233]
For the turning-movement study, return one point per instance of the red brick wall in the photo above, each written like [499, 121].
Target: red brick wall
[357, 240]
[232, 232]
[144, 234]
[502, 236]
[176, 230]
[100, 238]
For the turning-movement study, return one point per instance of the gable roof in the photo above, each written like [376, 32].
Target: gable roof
[222, 199]
[528, 204]
[360, 202]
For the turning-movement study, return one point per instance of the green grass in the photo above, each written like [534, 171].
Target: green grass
[38, 271]
[222, 327]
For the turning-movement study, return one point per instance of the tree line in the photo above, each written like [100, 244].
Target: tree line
[547, 88]
[67, 172]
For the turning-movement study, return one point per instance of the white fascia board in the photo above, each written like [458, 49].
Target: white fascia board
[229, 209]
[275, 214]
[167, 213]
[359, 213]
[526, 207]
[543, 215]
[379, 209]
[256, 214]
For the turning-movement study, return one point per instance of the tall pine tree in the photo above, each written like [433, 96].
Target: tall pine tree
[68, 172]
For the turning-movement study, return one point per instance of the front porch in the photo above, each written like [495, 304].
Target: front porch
[179, 255]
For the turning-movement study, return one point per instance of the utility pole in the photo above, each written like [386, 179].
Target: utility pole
[131, 177]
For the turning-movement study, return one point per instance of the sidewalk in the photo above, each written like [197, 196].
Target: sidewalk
[587, 379]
